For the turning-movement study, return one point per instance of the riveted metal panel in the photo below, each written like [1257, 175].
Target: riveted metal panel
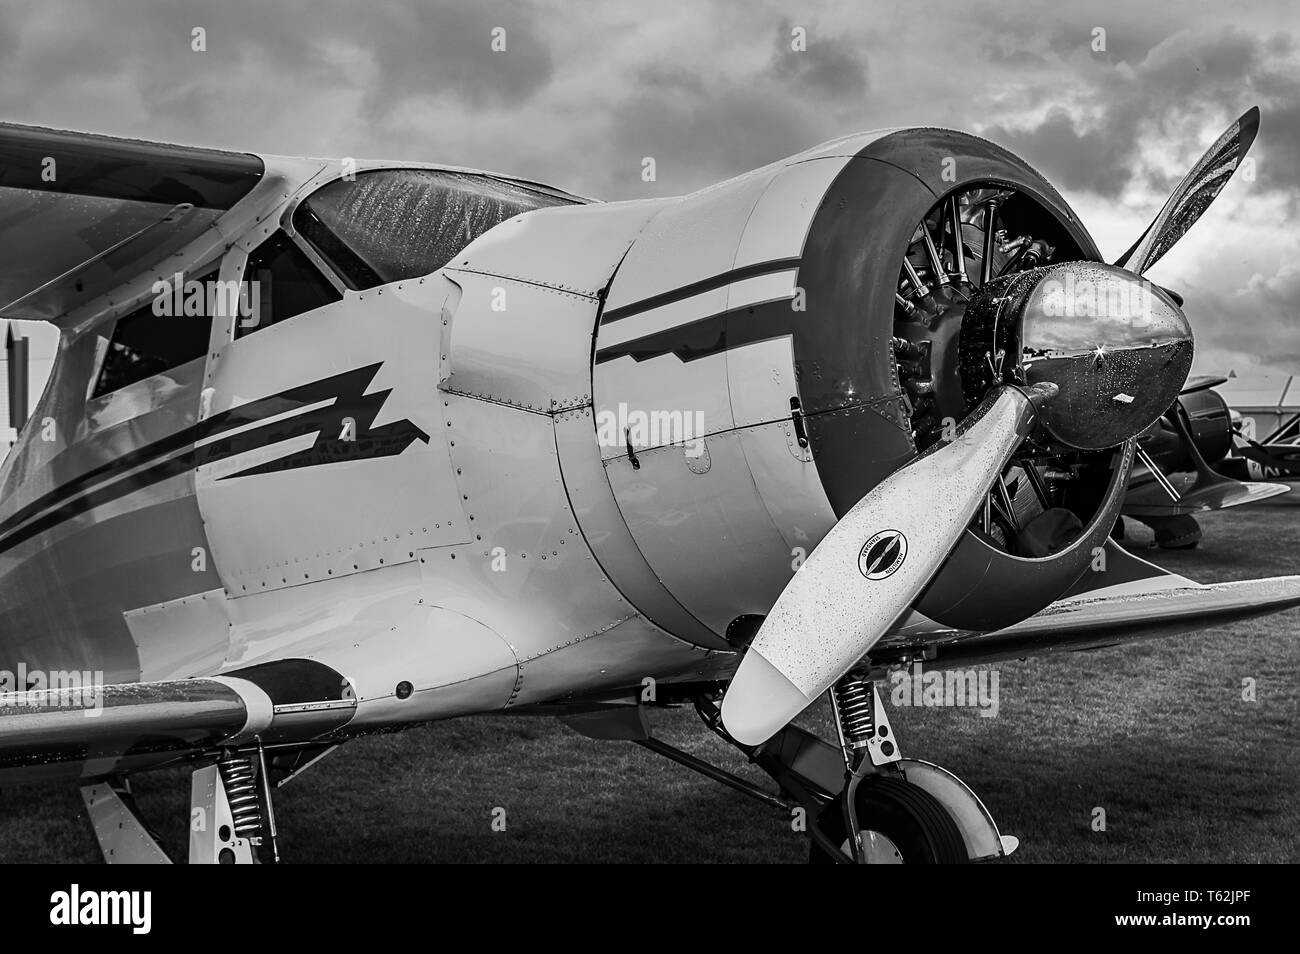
[300, 621]
[690, 241]
[627, 389]
[570, 248]
[778, 226]
[622, 656]
[454, 665]
[606, 533]
[762, 381]
[344, 438]
[528, 573]
[788, 485]
[518, 329]
[518, 343]
[378, 629]
[181, 638]
[739, 561]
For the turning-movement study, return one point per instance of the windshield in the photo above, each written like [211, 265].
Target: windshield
[394, 224]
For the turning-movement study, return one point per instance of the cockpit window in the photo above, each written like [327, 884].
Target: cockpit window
[286, 284]
[394, 224]
[168, 330]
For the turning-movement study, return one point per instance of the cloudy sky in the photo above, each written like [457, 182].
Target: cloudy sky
[585, 90]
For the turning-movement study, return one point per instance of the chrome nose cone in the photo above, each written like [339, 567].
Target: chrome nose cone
[1116, 345]
[1118, 348]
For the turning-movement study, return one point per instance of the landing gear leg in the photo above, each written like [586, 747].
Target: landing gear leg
[227, 801]
[863, 802]
[893, 810]
[123, 836]
[878, 818]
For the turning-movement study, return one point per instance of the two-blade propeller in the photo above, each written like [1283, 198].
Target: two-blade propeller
[870, 568]
[867, 571]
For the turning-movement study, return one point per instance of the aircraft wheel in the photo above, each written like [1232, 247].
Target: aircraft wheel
[1178, 532]
[901, 824]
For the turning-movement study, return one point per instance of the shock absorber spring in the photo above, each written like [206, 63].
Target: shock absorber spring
[855, 707]
[241, 793]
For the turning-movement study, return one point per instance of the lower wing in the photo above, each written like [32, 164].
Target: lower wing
[1129, 599]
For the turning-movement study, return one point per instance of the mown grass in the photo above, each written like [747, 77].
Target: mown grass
[1156, 734]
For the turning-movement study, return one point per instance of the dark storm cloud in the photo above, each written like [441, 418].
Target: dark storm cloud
[711, 89]
[1278, 152]
[1074, 160]
[1014, 57]
[1174, 92]
[829, 65]
[699, 140]
[1021, 48]
[701, 127]
[429, 50]
[417, 49]
[1015, 39]
[1256, 321]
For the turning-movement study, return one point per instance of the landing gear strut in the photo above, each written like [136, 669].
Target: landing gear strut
[867, 803]
[231, 817]
[863, 802]
[878, 818]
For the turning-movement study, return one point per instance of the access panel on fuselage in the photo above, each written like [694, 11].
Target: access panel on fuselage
[327, 450]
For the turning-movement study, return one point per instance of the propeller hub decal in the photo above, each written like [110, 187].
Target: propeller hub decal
[882, 554]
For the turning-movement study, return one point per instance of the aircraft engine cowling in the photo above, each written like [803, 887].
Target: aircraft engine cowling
[1210, 424]
[770, 348]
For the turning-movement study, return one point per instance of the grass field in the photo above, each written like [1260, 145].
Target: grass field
[1157, 734]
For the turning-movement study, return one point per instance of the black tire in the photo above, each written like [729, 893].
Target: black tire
[910, 817]
[1178, 532]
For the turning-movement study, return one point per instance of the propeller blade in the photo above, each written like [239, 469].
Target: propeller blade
[1194, 194]
[868, 570]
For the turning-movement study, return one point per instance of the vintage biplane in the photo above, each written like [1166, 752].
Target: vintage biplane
[1193, 460]
[333, 448]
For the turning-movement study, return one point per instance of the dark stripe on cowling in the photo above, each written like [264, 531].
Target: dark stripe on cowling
[698, 288]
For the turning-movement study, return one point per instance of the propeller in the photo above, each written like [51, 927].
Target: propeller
[853, 591]
[1092, 380]
[1194, 194]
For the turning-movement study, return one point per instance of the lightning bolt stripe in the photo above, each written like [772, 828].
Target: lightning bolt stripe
[320, 407]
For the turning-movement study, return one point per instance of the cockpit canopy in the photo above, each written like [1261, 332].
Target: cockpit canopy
[388, 225]
[376, 227]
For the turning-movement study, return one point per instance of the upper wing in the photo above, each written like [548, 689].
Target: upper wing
[80, 214]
